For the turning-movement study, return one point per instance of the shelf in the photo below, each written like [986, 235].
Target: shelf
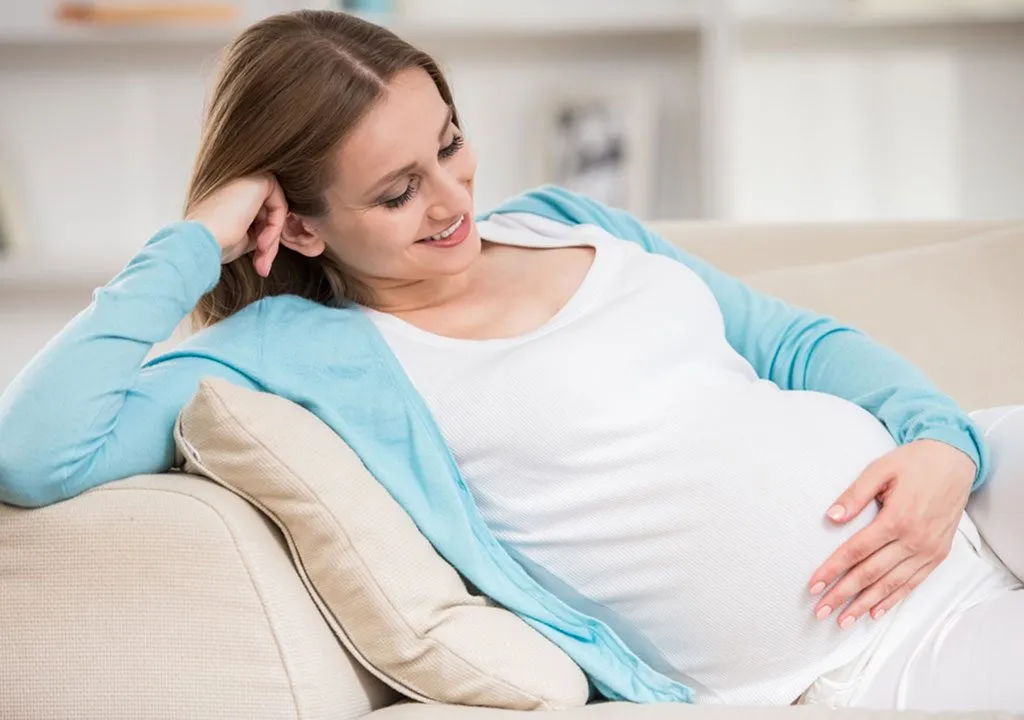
[851, 19]
[517, 28]
[83, 35]
[413, 29]
[553, 27]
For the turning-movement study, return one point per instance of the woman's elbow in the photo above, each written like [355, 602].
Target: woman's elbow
[25, 486]
[28, 476]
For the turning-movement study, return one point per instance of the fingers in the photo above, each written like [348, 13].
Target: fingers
[271, 222]
[263, 260]
[873, 577]
[852, 553]
[890, 601]
[273, 213]
[862, 492]
[276, 206]
[884, 587]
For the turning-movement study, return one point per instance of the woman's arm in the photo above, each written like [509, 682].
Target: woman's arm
[801, 350]
[794, 348]
[85, 411]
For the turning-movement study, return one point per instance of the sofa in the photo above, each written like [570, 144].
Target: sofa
[168, 596]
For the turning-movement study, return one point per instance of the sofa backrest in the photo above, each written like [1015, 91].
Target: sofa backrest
[741, 249]
[945, 295]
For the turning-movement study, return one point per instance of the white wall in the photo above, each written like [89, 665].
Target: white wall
[874, 123]
[99, 139]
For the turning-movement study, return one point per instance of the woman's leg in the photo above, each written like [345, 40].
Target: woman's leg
[973, 666]
[998, 507]
[971, 661]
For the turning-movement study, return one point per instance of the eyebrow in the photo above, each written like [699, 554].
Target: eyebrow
[406, 169]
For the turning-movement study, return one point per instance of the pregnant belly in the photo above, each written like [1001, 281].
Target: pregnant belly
[704, 553]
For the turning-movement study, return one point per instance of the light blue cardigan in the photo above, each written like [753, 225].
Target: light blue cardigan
[87, 411]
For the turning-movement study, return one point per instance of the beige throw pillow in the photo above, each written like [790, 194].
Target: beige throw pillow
[954, 309]
[394, 603]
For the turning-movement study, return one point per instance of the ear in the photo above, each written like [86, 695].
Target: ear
[301, 236]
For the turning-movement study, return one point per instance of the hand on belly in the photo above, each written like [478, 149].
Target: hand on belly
[712, 565]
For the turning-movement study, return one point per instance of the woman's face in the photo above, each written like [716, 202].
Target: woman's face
[405, 173]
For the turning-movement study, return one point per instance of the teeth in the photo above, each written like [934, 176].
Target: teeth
[448, 231]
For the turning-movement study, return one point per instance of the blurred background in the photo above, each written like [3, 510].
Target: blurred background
[734, 111]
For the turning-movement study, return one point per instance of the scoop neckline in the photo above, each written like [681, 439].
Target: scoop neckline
[591, 283]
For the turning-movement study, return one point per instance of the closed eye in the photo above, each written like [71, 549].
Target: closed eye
[445, 153]
[451, 148]
[397, 202]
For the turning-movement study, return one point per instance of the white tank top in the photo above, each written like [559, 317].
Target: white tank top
[639, 469]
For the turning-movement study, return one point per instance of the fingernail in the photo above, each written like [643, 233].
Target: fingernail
[847, 622]
[877, 614]
[818, 588]
[823, 613]
[836, 512]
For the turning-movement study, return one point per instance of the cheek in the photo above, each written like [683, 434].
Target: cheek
[400, 228]
[378, 239]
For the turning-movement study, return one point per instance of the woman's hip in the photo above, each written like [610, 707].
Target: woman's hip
[966, 578]
[997, 507]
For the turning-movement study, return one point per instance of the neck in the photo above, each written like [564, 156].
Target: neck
[399, 297]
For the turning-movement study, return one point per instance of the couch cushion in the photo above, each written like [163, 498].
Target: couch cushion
[164, 597]
[953, 309]
[391, 599]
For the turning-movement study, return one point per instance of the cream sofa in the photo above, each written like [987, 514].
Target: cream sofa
[165, 597]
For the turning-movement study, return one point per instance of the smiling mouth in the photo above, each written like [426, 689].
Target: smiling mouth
[447, 232]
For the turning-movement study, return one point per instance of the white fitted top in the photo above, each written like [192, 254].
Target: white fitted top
[641, 471]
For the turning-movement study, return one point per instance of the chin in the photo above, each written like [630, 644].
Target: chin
[466, 253]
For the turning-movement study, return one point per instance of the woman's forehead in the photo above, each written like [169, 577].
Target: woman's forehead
[401, 128]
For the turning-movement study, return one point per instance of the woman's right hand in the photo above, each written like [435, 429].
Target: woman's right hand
[246, 215]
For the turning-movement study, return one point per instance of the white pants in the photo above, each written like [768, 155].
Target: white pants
[957, 649]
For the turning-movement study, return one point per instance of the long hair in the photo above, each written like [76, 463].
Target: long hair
[289, 90]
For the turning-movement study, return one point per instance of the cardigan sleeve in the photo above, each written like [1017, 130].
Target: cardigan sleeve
[87, 410]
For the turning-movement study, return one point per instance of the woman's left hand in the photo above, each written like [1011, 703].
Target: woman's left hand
[923, 488]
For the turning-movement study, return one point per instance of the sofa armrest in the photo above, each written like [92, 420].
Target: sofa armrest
[163, 596]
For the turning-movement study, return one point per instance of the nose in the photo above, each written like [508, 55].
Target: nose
[451, 193]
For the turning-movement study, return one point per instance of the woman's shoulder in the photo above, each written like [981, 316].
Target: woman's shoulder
[529, 230]
[560, 212]
[275, 331]
[557, 204]
[274, 313]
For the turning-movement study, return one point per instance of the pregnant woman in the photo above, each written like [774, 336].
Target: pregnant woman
[764, 506]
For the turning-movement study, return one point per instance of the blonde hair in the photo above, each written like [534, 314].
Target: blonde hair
[290, 88]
